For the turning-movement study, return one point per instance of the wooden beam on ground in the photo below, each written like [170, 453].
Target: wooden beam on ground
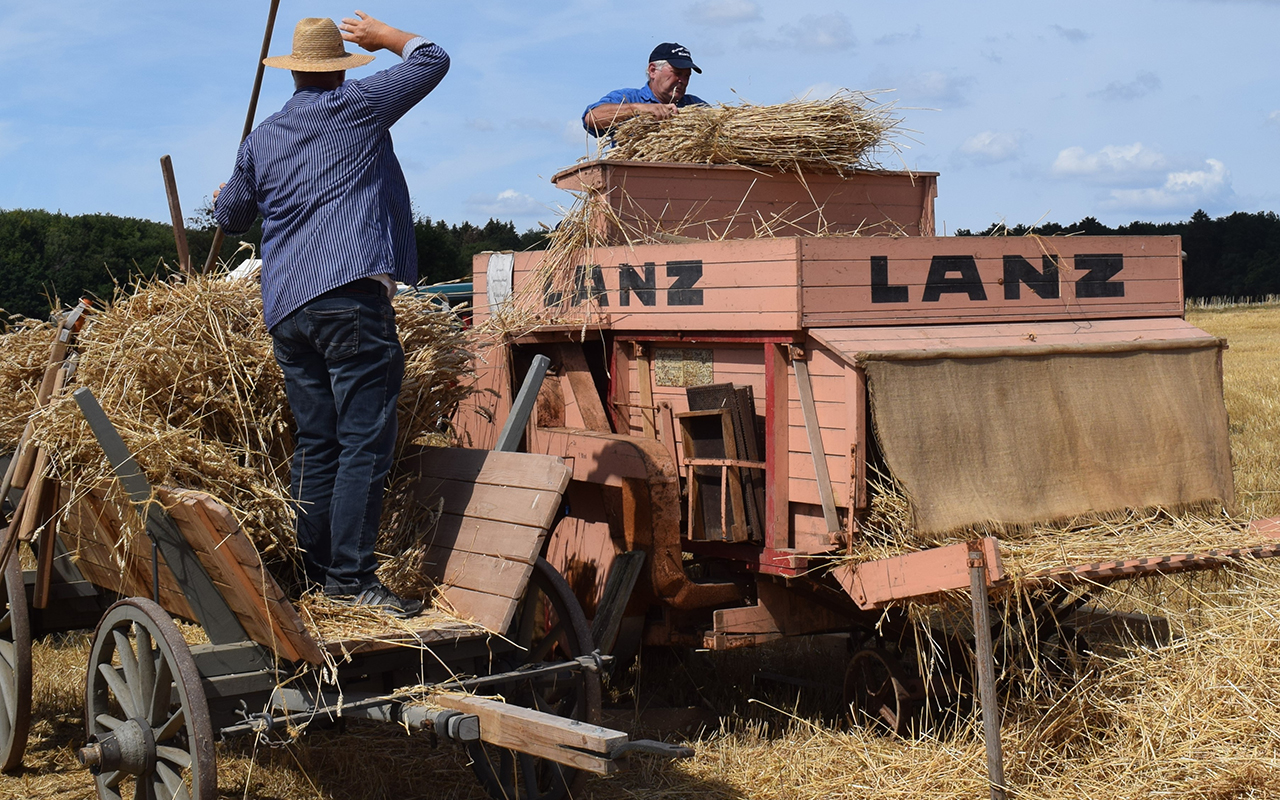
[565, 741]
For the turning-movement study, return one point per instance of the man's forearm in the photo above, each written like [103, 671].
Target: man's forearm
[607, 115]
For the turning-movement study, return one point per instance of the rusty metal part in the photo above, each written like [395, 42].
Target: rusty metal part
[650, 505]
[878, 691]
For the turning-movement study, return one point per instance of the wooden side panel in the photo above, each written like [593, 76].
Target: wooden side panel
[731, 202]
[848, 342]
[480, 416]
[745, 285]
[950, 279]
[253, 595]
[495, 511]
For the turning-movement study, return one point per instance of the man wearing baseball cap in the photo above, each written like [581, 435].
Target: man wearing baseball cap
[337, 233]
[670, 65]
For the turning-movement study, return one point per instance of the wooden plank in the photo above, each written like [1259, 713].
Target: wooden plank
[484, 537]
[566, 741]
[478, 573]
[873, 584]
[497, 503]
[573, 362]
[819, 455]
[244, 599]
[493, 468]
[489, 611]
[644, 381]
[267, 596]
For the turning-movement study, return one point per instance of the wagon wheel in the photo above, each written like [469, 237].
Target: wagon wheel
[549, 627]
[877, 691]
[146, 715]
[15, 668]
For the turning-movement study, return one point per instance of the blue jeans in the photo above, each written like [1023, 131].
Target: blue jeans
[343, 366]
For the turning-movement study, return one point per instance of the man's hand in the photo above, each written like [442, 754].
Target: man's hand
[658, 110]
[221, 186]
[371, 34]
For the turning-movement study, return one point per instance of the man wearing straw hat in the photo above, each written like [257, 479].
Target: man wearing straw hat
[670, 65]
[337, 233]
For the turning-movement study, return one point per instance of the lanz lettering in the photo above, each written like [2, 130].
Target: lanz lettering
[960, 275]
[630, 285]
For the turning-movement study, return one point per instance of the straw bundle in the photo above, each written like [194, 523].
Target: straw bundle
[185, 371]
[24, 352]
[1133, 533]
[838, 134]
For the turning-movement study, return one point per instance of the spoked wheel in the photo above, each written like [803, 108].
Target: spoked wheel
[550, 627]
[146, 715]
[877, 691]
[15, 668]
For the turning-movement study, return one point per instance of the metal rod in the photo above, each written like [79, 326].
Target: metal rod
[175, 213]
[513, 429]
[218, 235]
[984, 654]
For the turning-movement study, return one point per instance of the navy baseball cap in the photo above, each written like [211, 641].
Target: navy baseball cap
[677, 55]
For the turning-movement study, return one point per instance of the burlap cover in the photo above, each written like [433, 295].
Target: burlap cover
[1009, 441]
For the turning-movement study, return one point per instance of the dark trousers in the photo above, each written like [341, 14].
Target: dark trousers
[343, 366]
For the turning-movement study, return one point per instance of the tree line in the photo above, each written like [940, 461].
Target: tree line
[46, 255]
[1237, 255]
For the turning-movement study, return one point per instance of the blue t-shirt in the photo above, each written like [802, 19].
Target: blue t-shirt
[644, 95]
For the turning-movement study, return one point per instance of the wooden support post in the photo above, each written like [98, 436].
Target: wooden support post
[175, 213]
[218, 235]
[644, 379]
[811, 427]
[984, 654]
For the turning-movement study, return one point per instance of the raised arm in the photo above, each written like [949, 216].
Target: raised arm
[392, 92]
[373, 35]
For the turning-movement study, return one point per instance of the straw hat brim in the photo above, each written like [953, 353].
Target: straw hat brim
[290, 62]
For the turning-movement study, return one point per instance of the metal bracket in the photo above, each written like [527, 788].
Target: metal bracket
[653, 748]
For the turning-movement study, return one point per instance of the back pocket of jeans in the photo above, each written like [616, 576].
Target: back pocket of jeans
[335, 333]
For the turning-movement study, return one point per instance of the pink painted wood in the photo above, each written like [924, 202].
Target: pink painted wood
[702, 201]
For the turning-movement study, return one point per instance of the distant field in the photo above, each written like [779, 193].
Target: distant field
[1192, 720]
[1252, 388]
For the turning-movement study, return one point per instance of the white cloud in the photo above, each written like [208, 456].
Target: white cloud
[826, 33]
[1112, 164]
[507, 203]
[1075, 35]
[892, 39]
[1273, 118]
[1144, 84]
[724, 12]
[480, 124]
[991, 147]
[1181, 190]
[935, 87]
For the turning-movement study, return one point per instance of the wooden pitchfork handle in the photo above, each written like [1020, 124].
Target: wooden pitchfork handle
[218, 235]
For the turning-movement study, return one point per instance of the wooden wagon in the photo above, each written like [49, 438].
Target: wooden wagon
[155, 703]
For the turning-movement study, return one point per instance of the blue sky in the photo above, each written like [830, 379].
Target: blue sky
[1124, 110]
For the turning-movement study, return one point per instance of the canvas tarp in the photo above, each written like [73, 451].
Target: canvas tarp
[1008, 441]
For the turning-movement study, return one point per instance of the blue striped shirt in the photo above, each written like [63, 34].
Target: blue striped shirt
[324, 177]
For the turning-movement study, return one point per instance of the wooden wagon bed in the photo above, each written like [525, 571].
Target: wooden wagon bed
[492, 511]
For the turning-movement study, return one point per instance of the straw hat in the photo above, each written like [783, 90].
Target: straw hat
[317, 47]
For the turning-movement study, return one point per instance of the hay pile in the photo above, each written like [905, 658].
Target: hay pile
[185, 371]
[847, 131]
